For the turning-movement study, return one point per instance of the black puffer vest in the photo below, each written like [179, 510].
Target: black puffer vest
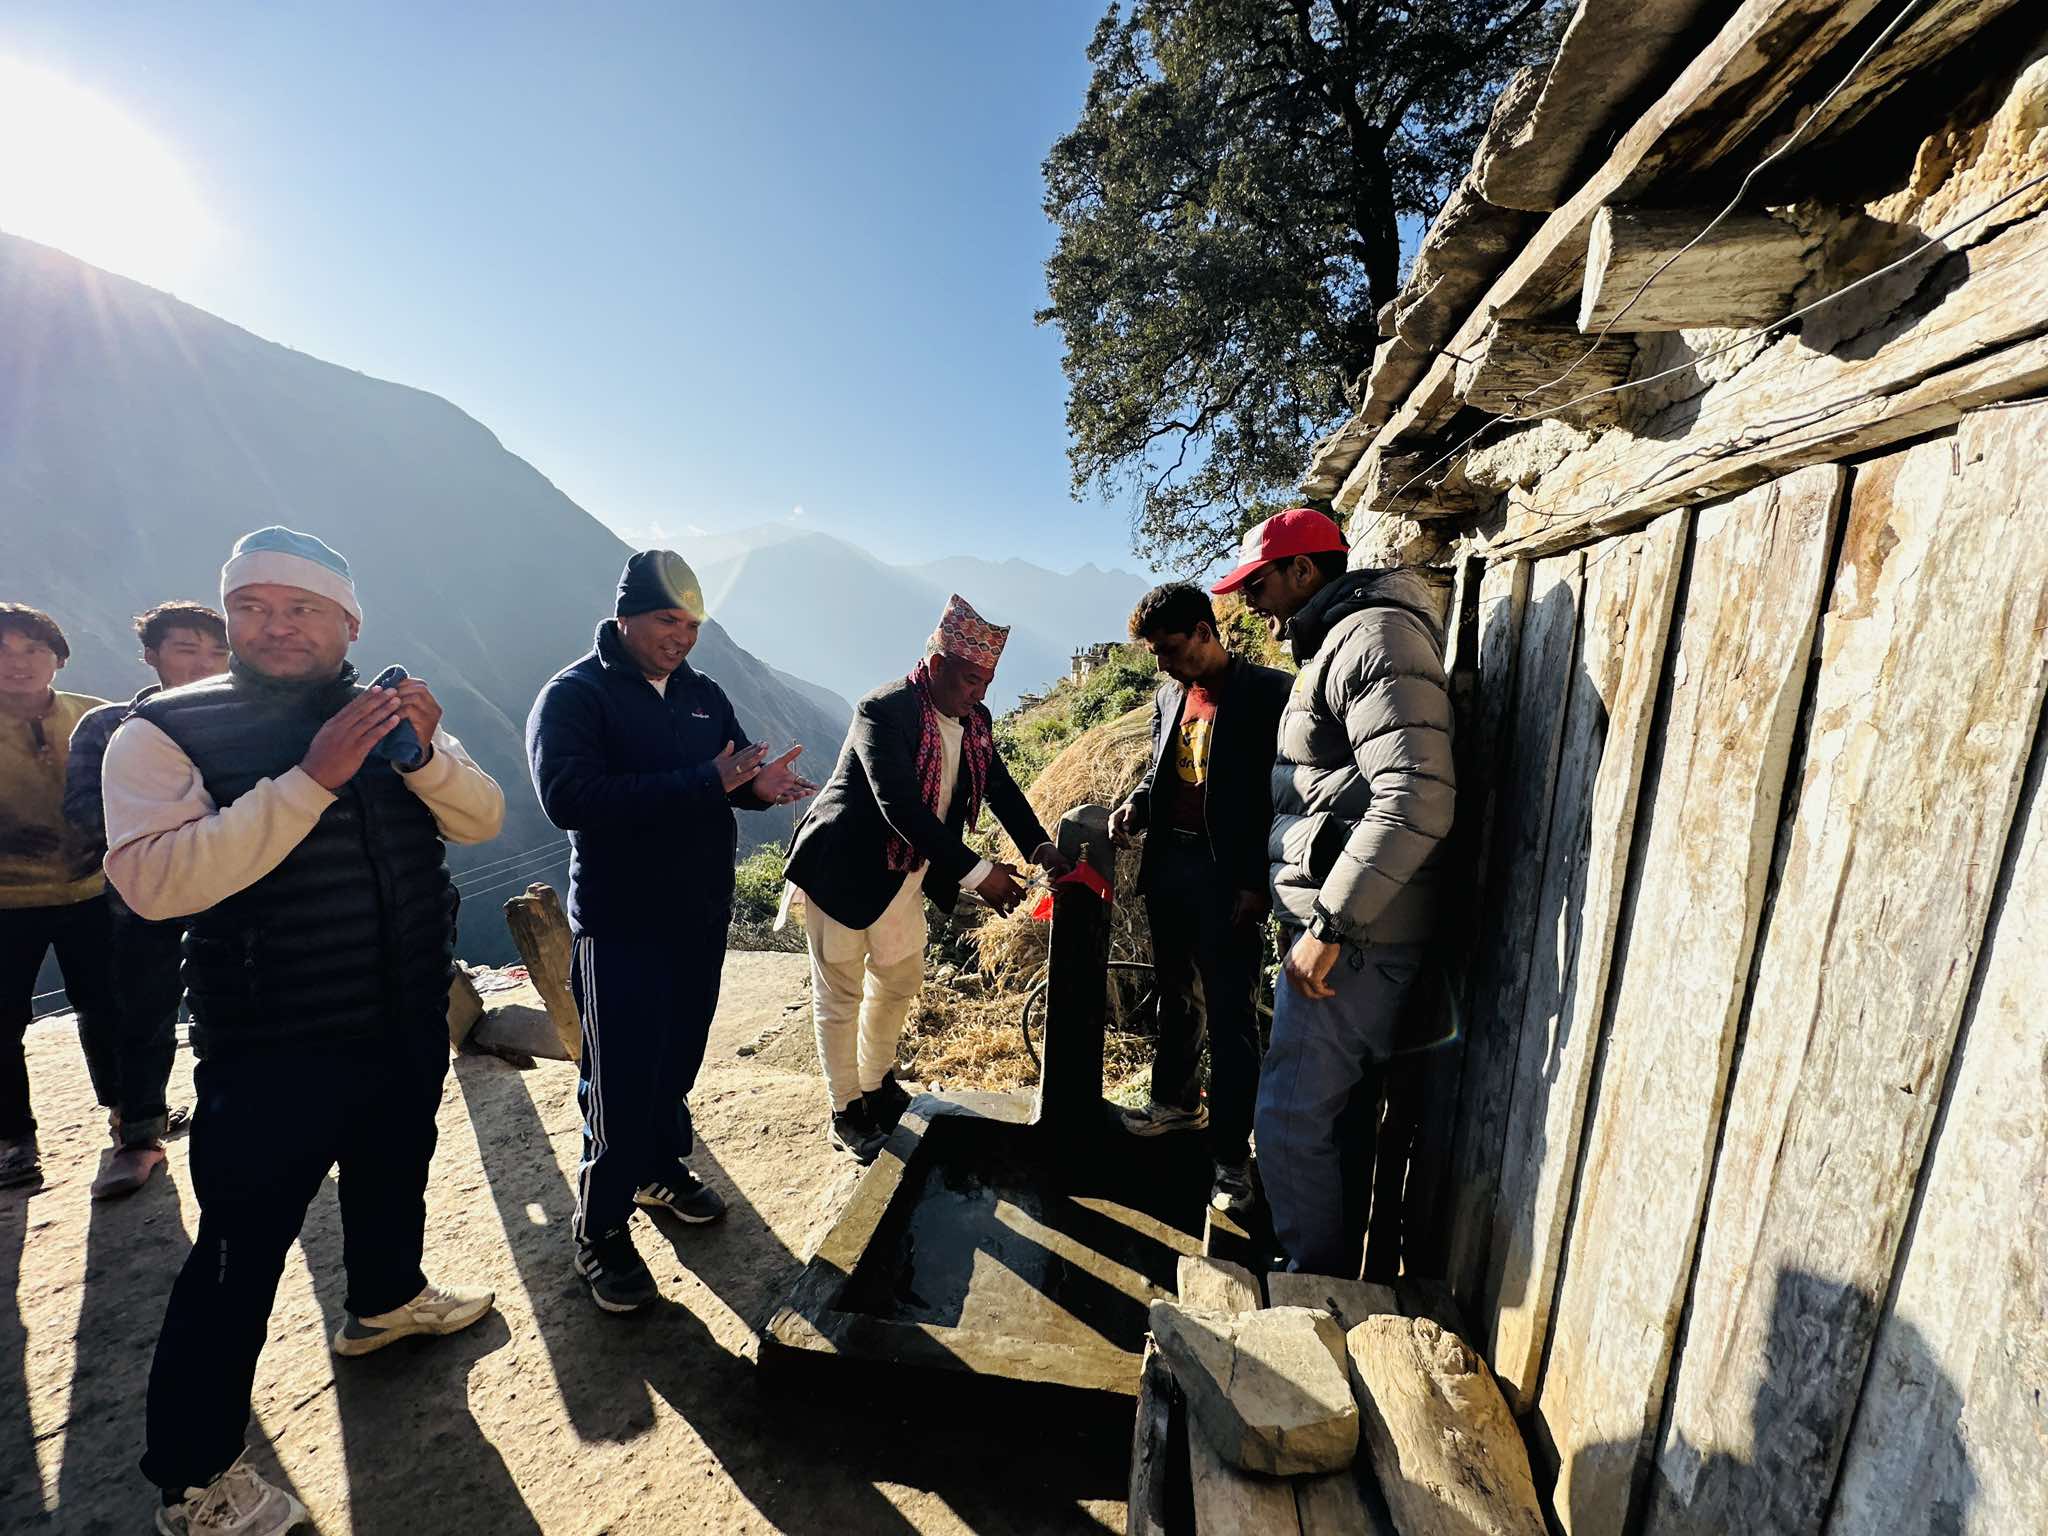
[350, 938]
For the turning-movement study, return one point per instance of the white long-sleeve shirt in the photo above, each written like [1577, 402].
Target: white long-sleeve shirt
[172, 852]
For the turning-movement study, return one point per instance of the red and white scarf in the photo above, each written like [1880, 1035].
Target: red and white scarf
[977, 749]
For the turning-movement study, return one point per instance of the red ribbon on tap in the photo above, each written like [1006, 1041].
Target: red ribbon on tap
[1082, 874]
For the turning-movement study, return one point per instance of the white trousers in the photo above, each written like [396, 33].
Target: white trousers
[858, 1005]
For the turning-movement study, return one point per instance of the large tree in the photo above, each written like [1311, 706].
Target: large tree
[1229, 209]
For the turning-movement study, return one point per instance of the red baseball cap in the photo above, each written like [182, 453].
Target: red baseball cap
[1302, 531]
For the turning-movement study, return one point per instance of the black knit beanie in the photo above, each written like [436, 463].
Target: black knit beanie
[658, 578]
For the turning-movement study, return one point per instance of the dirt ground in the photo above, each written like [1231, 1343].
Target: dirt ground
[548, 1416]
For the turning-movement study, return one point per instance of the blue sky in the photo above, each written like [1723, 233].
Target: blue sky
[703, 265]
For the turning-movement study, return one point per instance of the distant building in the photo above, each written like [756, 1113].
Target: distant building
[1089, 657]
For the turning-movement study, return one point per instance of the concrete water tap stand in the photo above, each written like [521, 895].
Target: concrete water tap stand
[1013, 1236]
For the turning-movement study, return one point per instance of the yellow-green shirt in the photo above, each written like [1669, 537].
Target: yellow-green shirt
[44, 861]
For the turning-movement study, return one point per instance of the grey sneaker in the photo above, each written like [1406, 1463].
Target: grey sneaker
[437, 1309]
[1158, 1119]
[20, 1162]
[683, 1193]
[237, 1503]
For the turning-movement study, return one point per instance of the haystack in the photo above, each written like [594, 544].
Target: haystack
[1100, 766]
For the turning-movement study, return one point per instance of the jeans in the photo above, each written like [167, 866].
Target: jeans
[1207, 973]
[1322, 1050]
[266, 1128]
[148, 988]
[80, 932]
[646, 1004]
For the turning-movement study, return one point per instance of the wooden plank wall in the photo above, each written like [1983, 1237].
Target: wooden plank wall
[1754, 591]
[1625, 617]
[1798, 1235]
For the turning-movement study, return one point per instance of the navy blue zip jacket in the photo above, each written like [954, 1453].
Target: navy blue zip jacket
[630, 775]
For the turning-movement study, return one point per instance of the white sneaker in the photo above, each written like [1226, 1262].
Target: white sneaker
[437, 1309]
[237, 1503]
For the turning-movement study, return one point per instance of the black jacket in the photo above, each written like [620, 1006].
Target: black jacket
[629, 774]
[351, 938]
[1238, 804]
[838, 856]
[84, 806]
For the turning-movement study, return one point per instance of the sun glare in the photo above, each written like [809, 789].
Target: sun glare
[79, 174]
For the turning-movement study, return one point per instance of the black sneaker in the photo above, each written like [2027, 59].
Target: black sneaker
[685, 1194]
[854, 1133]
[885, 1105]
[1232, 1192]
[619, 1280]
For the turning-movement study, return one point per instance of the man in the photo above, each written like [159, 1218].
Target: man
[918, 764]
[1206, 805]
[641, 760]
[1363, 794]
[51, 890]
[321, 934]
[182, 643]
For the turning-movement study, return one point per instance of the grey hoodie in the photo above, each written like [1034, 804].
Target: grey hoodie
[1364, 789]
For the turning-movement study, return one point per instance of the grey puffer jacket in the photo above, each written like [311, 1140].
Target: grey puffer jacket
[1364, 789]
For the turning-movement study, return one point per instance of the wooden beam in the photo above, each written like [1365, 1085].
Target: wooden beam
[541, 933]
[1438, 1433]
[1970, 336]
[1624, 620]
[1950, 1423]
[1757, 576]
[1532, 367]
[1925, 41]
[1720, 98]
[1933, 664]
[1744, 272]
[1611, 51]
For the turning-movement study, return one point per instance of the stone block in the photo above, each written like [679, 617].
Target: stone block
[1270, 1389]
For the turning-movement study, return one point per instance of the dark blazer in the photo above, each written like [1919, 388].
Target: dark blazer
[1239, 804]
[837, 856]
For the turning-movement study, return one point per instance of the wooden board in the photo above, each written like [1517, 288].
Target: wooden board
[1147, 1500]
[1973, 337]
[1229, 1502]
[1952, 1434]
[1934, 655]
[1351, 1302]
[1525, 668]
[1624, 623]
[1743, 637]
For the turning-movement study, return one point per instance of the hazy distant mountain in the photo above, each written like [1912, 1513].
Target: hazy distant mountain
[828, 609]
[139, 436]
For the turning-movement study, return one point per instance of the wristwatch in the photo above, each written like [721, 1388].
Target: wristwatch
[1323, 928]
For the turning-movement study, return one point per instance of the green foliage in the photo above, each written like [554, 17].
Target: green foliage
[757, 887]
[1031, 738]
[1228, 209]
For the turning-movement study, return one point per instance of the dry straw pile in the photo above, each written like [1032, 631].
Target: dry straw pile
[973, 1041]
